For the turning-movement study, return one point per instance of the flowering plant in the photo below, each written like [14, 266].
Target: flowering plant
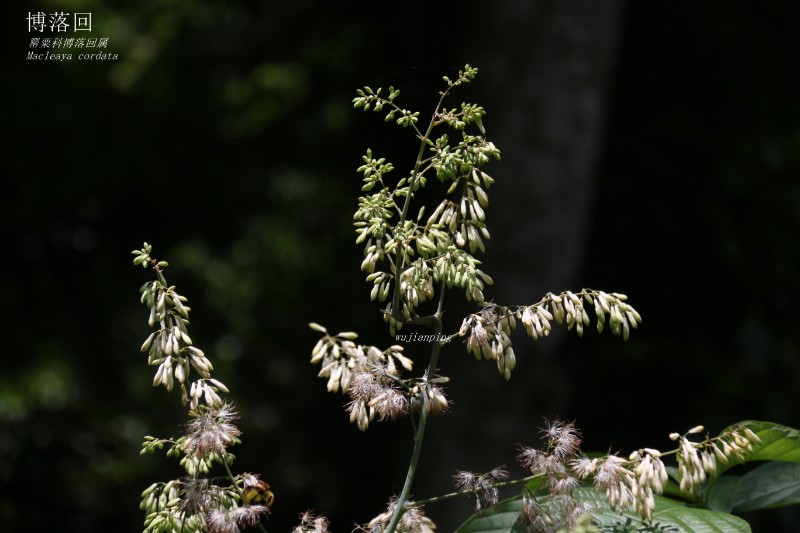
[412, 262]
[194, 502]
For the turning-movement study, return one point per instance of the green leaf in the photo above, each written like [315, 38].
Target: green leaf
[775, 484]
[722, 493]
[669, 515]
[769, 486]
[498, 519]
[778, 443]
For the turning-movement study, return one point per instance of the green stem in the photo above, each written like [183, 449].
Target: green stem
[400, 507]
[239, 490]
[443, 497]
[424, 139]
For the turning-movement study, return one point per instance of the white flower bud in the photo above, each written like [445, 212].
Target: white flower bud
[751, 436]
[318, 352]
[175, 347]
[317, 327]
[147, 342]
[219, 385]
[179, 373]
[159, 377]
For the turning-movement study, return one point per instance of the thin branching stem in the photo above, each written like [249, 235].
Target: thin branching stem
[423, 419]
[424, 140]
[443, 497]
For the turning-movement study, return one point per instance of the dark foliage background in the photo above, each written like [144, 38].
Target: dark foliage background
[667, 135]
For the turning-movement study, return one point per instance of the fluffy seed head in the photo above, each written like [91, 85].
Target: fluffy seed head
[211, 431]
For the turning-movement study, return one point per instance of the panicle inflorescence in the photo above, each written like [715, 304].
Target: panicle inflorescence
[408, 256]
[698, 460]
[169, 345]
[634, 482]
[405, 256]
[195, 503]
[372, 379]
[488, 331]
[629, 483]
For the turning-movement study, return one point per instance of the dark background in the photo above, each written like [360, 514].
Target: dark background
[649, 148]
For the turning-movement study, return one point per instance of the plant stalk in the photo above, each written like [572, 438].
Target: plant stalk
[400, 507]
[443, 497]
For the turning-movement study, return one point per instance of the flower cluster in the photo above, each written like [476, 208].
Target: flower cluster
[311, 523]
[628, 484]
[210, 432]
[465, 221]
[371, 378]
[457, 268]
[489, 336]
[488, 331]
[696, 461]
[483, 486]
[170, 346]
[563, 442]
[416, 254]
[234, 519]
[195, 503]
[165, 507]
[339, 357]
[633, 483]
[374, 392]
[412, 521]
[416, 285]
[562, 446]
